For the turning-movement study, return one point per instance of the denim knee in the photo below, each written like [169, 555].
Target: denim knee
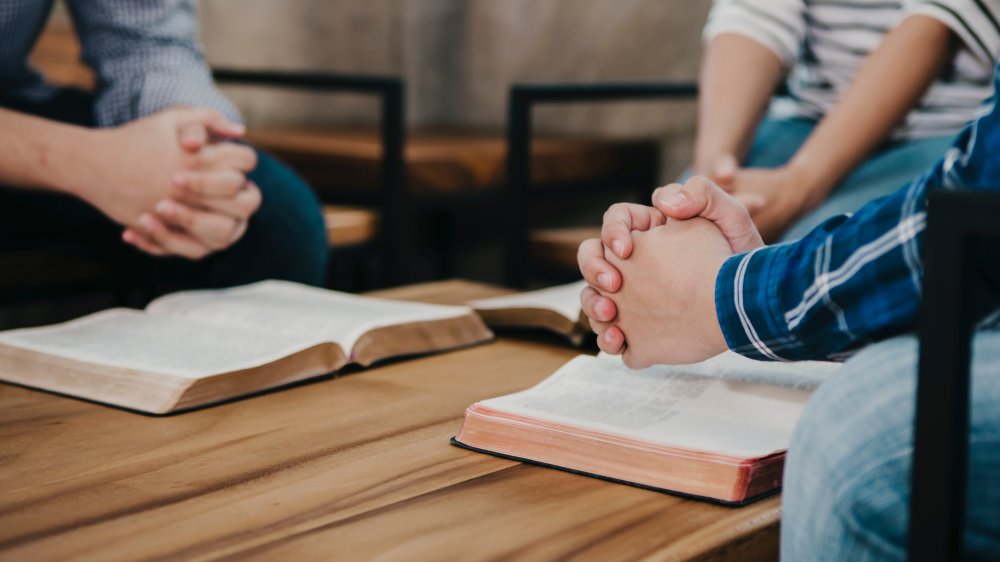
[847, 474]
[286, 237]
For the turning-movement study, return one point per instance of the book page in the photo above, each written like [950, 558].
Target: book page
[678, 406]
[297, 311]
[733, 366]
[564, 299]
[131, 339]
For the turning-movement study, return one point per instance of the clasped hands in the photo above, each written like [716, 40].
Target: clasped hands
[174, 182]
[651, 275]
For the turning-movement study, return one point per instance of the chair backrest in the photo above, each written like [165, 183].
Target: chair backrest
[962, 262]
[394, 213]
[523, 98]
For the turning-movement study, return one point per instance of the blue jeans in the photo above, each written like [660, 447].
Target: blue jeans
[847, 486]
[886, 170]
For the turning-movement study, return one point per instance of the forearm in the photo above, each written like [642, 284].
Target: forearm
[738, 78]
[889, 84]
[851, 280]
[39, 154]
[846, 283]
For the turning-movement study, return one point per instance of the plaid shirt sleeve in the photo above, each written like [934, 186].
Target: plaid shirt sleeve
[854, 279]
[147, 58]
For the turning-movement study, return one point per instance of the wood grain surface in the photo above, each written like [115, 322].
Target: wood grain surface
[450, 161]
[346, 225]
[356, 467]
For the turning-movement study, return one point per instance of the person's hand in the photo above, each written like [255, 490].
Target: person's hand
[209, 206]
[776, 197]
[698, 197]
[719, 168]
[132, 167]
[194, 231]
[208, 211]
[176, 191]
[666, 302]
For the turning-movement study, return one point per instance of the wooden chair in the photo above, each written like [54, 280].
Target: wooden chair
[352, 231]
[962, 260]
[448, 172]
[556, 248]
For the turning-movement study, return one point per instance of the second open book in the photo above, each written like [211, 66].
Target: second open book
[556, 309]
[717, 430]
[197, 347]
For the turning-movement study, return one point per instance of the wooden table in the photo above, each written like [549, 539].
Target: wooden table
[352, 468]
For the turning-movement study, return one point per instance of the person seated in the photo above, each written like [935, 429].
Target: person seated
[875, 91]
[149, 158]
[690, 277]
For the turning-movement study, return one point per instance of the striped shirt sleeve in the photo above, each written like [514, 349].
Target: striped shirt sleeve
[147, 57]
[778, 25]
[853, 279]
[975, 22]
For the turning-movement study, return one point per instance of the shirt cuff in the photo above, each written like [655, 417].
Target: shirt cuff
[747, 305]
[155, 92]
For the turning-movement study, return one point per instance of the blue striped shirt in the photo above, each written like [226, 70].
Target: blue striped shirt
[146, 56]
[855, 278]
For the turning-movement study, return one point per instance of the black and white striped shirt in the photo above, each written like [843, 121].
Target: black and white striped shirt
[146, 55]
[825, 41]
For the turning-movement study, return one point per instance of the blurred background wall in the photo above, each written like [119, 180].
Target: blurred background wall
[460, 56]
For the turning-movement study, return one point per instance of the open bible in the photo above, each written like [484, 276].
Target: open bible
[715, 430]
[193, 348]
[556, 309]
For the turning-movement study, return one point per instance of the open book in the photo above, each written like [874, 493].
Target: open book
[556, 309]
[193, 348]
[715, 430]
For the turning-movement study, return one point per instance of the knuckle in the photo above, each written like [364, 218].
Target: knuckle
[252, 159]
[613, 210]
[183, 220]
[586, 252]
[229, 183]
[204, 157]
[199, 253]
[634, 359]
[254, 197]
[606, 347]
[195, 185]
[698, 184]
[591, 268]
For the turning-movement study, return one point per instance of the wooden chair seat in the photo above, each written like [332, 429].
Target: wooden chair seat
[555, 248]
[349, 226]
[452, 162]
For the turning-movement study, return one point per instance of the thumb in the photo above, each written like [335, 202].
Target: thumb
[195, 127]
[754, 202]
[724, 170]
[219, 125]
[699, 197]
